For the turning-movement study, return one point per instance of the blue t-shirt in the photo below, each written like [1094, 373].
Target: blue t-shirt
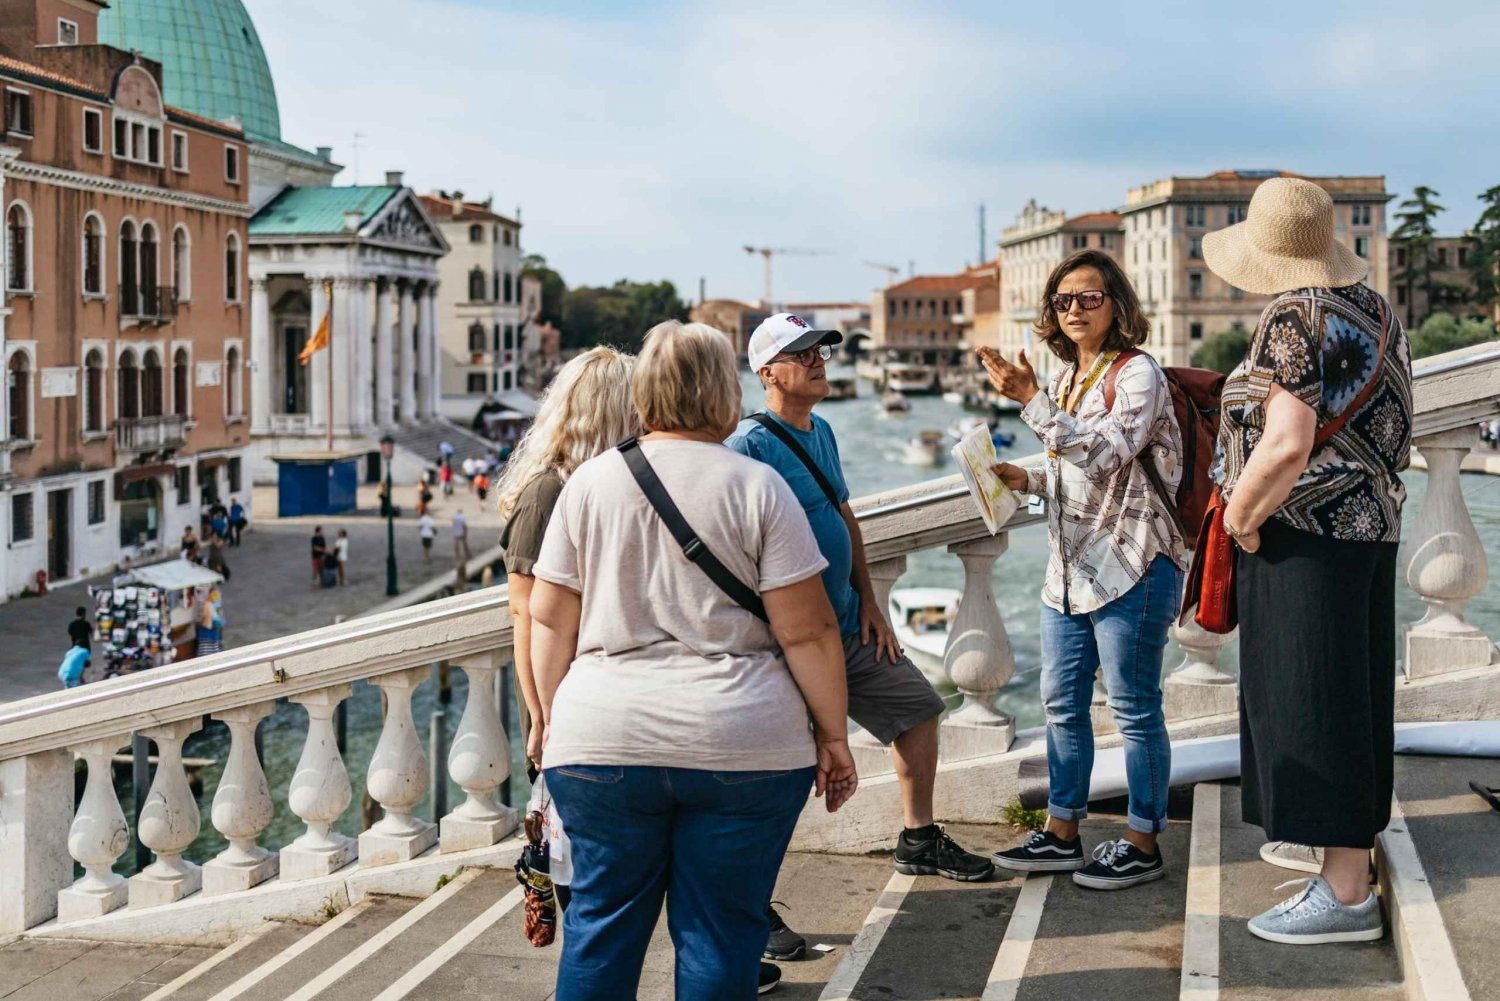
[70, 671]
[826, 520]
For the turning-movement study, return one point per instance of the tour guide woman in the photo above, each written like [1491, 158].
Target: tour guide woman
[677, 746]
[1316, 424]
[1114, 577]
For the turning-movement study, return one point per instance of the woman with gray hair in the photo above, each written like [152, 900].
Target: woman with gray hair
[678, 747]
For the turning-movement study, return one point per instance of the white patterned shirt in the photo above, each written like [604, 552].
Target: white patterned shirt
[1105, 522]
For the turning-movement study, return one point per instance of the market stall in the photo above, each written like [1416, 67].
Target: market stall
[152, 615]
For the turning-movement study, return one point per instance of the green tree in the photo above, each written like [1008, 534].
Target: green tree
[618, 315]
[1484, 251]
[553, 288]
[1442, 332]
[1415, 235]
[1221, 352]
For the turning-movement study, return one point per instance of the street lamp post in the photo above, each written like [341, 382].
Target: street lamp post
[388, 508]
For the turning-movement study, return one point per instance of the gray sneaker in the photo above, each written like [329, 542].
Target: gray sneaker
[1314, 916]
[1290, 855]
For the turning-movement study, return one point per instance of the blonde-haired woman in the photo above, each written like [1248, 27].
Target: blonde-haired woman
[678, 748]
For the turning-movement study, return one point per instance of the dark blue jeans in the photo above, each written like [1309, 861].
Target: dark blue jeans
[709, 842]
[1126, 638]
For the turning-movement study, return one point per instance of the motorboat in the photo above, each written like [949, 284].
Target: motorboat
[954, 397]
[910, 378]
[921, 618]
[926, 449]
[842, 388]
[961, 427]
[894, 402]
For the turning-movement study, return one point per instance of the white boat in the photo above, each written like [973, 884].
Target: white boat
[910, 378]
[921, 618]
[963, 426]
[926, 449]
[954, 397]
[893, 402]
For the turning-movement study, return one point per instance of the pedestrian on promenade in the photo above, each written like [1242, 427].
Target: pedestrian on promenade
[1107, 603]
[888, 695]
[341, 552]
[445, 453]
[1316, 426]
[74, 663]
[460, 529]
[470, 467]
[445, 477]
[424, 494]
[218, 523]
[319, 550]
[586, 410]
[677, 718]
[237, 520]
[80, 633]
[427, 531]
[214, 559]
[482, 487]
[210, 629]
[189, 545]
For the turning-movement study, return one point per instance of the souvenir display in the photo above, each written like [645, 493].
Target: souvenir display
[129, 622]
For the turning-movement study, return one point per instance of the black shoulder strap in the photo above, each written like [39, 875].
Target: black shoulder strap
[772, 425]
[692, 546]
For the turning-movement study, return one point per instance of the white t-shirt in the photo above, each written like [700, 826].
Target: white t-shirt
[425, 527]
[341, 548]
[670, 671]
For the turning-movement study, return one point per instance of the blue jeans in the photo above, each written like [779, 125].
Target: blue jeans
[1126, 638]
[709, 842]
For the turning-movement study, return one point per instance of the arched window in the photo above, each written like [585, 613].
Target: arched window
[232, 382]
[18, 389]
[476, 285]
[148, 271]
[93, 256]
[509, 287]
[128, 393]
[93, 392]
[182, 263]
[476, 336]
[151, 384]
[232, 268]
[476, 233]
[130, 304]
[18, 226]
[181, 387]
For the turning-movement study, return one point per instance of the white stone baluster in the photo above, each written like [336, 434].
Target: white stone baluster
[1446, 565]
[872, 757]
[36, 809]
[242, 808]
[1198, 687]
[397, 778]
[479, 760]
[978, 657]
[98, 837]
[169, 822]
[319, 793]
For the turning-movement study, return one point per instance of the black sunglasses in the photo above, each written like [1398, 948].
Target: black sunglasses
[1063, 301]
[807, 358]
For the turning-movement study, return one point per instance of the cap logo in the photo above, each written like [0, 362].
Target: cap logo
[796, 321]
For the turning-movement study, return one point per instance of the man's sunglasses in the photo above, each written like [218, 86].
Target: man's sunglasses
[809, 357]
[1063, 301]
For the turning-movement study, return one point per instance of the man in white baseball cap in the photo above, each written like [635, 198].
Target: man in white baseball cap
[888, 696]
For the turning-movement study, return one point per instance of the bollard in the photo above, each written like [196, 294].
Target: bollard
[438, 762]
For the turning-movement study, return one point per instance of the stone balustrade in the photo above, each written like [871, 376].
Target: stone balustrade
[43, 837]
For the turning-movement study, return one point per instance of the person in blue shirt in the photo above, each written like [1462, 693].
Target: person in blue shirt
[237, 520]
[888, 695]
[74, 663]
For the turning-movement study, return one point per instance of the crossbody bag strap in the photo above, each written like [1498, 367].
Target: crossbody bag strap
[1324, 436]
[772, 425]
[692, 546]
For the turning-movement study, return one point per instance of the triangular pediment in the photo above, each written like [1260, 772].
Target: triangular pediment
[404, 222]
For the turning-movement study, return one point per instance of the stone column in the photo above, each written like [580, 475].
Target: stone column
[98, 837]
[364, 357]
[406, 350]
[341, 358]
[424, 356]
[1446, 565]
[435, 348]
[319, 793]
[262, 361]
[397, 778]
[978, 657]
[317, 368]
[479, 761]
[385, 309]
[169, 822]
[36, 810]
[242, 808]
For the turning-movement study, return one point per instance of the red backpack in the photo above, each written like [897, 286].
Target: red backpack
[1195, 402]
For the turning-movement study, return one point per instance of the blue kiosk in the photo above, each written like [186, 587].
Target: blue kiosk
[314, 483]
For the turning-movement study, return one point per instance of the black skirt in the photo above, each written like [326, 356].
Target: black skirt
[1317, 687]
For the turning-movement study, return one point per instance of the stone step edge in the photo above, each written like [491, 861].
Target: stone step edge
[217, 959]
[1200, 926]
[1429, 966]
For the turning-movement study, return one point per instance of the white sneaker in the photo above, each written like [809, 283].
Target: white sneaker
[1290, 855]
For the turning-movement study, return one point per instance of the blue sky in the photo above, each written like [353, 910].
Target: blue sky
[650, 140]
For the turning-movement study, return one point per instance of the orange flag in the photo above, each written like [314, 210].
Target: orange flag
[320, 339]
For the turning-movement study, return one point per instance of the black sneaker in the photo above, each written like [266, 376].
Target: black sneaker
[783, 943]
[936, 854]
[770, 976]
[1118, 864]
[1042, 851]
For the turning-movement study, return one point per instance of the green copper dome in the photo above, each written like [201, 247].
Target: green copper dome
[212, 62]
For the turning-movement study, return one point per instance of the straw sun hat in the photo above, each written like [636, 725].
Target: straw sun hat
[1286, 242]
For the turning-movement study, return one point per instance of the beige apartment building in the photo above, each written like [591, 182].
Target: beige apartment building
[1164, 223]
[1450, 267]
[735, 318]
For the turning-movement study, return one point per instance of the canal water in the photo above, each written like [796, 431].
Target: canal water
[872, 446]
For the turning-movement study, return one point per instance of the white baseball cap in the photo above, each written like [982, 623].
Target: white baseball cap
[785, 332]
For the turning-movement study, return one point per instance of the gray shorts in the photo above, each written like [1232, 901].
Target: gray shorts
[886, 699]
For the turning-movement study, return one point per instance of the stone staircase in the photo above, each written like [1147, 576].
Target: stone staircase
[417, 446]
[876, 934]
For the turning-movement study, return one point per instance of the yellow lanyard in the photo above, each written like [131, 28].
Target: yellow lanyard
[1101, 365]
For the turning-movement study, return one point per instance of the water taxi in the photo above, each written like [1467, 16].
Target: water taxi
[921, 618]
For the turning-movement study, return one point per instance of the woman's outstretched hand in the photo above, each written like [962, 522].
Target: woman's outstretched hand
[1011, 475]
[1014, 382]
[837, 779]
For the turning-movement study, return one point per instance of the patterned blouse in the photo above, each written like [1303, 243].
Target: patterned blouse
[1320, 345]
[1105, 523]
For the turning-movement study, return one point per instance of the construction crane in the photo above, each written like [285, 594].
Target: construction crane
[767, 253]
[891, 271]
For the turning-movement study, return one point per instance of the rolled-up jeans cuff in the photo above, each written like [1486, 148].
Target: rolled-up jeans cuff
[1067, 812]
[1144, 826]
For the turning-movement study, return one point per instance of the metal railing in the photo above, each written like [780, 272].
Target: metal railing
[148, 303]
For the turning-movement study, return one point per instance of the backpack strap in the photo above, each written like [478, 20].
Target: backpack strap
[772, 425]
[1114, 372]
[1144, 456]
[692, 546]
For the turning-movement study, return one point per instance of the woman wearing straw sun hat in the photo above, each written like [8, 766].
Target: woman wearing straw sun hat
[1316, 425]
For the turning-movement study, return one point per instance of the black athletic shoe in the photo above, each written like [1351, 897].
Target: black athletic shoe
[1042, 851]
[1118, 864]
[783, 943]
[770, 976]
[933, 853]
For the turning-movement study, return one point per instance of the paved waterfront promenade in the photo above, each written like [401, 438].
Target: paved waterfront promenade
[271, 592]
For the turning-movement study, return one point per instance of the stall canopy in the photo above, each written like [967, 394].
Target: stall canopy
[176, 575]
